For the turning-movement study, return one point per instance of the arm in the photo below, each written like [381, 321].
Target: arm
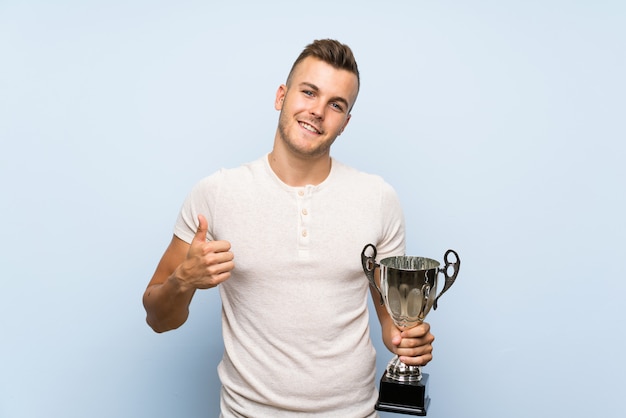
[183, 269]
[414, 346]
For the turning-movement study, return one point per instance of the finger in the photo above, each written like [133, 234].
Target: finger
[414, 348]
[417, 332]
[426, 340]
[420, 360]
[218, 247]
[203, 227]
[396, 336]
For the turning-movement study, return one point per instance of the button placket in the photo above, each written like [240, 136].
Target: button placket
[303, 198]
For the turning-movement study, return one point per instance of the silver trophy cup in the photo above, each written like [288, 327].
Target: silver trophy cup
[408, 288]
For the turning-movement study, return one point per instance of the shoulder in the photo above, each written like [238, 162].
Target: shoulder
[355, 178]
[250, 171]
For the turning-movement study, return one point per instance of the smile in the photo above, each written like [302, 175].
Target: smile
[309, 128]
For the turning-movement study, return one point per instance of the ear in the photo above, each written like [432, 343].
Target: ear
[280, 97]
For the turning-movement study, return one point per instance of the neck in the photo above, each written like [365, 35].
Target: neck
[299, 171]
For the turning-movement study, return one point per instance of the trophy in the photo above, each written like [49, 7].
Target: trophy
[408, 288]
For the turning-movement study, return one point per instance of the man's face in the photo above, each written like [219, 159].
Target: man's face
[314, 107]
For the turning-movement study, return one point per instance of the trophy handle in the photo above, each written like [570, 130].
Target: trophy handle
[369, 267]
[449, 278]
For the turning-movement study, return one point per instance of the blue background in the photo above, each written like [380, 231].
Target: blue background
[500, 124]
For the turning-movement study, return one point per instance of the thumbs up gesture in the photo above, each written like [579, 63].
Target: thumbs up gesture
[208, 263]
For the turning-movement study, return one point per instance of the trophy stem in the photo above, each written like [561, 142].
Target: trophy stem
[400, 372]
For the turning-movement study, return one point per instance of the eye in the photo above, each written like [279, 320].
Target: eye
[308, 92]
[336, 106]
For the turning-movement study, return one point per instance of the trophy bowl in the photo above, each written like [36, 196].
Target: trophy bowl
[407, 286]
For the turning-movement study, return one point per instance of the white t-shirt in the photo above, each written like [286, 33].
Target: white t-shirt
[294, 311]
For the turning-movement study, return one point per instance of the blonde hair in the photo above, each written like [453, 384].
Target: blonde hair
[331, 52]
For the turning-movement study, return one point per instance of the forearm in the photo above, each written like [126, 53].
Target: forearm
[167, 304]
[388, 328]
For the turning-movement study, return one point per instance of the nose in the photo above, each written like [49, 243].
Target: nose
[317, 110]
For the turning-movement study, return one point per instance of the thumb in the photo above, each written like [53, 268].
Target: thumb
[203, 227]
[396, 336]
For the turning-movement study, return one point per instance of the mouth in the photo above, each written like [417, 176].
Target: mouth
[310, 128]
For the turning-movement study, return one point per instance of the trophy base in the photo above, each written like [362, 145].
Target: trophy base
[403, 397]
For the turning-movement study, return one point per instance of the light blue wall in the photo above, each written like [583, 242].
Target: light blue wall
[500, 123]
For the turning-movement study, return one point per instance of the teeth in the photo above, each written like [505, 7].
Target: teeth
[309, 127]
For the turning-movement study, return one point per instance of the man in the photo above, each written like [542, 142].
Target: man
[294, 305]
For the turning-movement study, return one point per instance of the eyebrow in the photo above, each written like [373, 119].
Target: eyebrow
[333, 99]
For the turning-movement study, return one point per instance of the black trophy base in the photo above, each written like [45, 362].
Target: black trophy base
[403, 397]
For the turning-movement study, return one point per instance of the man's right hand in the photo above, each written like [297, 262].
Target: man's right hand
[183, 269]
[208, 263]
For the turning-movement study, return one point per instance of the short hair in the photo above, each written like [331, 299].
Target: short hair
[331, 52]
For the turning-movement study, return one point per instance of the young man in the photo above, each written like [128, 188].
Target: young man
[282, 236]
